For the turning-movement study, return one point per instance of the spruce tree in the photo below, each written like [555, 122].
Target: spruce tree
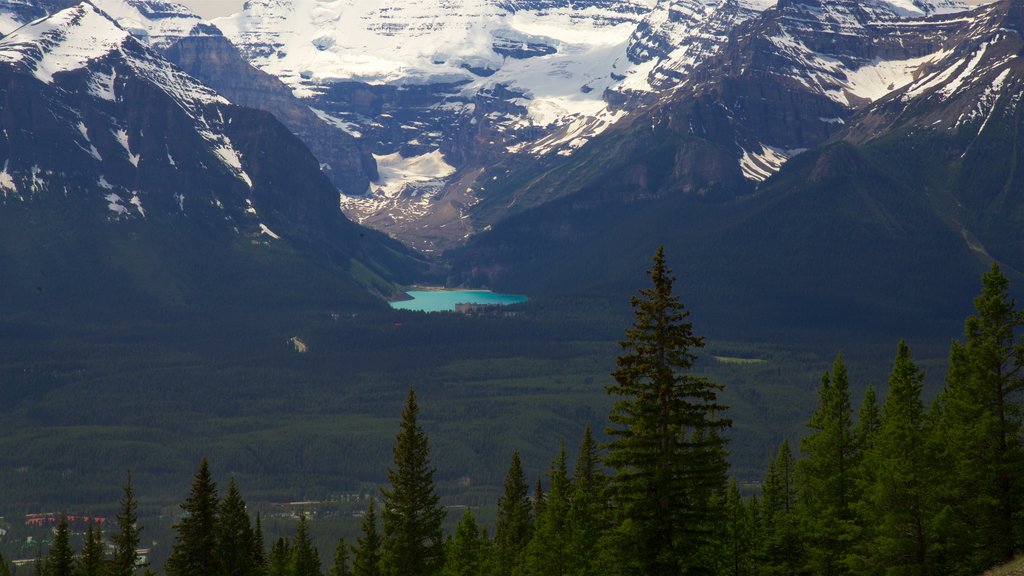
[60, 561]
[736, 550]
[340, 565]
[827, 475]
[897, 475]
[367, 551]
[545, 553]
[979, 431]
[259, 555]
[91, 561]
[515, 519]
[779, 549]
[465, 550]
[869, 420]
[586, 509]
[125, 560]
[234, 536]
[194, 550]
[280, 559]
[667, 457]
[305, 559]
[412, 514]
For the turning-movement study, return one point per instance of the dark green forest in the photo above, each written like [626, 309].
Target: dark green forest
[900, 484]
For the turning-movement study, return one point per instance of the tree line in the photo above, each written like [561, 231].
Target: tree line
[895, 488]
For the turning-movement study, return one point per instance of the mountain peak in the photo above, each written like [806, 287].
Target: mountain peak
[64, 41]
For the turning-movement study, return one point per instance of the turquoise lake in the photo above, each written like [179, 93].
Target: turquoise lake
[445, 300]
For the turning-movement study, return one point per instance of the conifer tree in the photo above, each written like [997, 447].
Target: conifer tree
[779, 550]
[340, 566]
[367, 551]
[305, 559]
[979, 431]
[515, 519]
[125, 560]
[539, 500]
[736, 550]
[897, 472]
[466, 549]
[280, 559]
[545, 552]
[413, 543]
[827, 475]
[60, 561]
[234, 536]
[667, 458]
[194, 550]
[90, 562]
[869, 420]
[259, 555]
[584, 519]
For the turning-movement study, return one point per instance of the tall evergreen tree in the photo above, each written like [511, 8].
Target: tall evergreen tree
[869, 421]
[234, 536]
[897, 475]
[465, 550]
[280, 559]
[545, 553]
[827, 475]
[586, 509]
[91, 561]
[779, 548]
[60, 561]
[125, 559]
[979, 428]
[666, 454]
[367, 551]
[411, 512]
[305, 559]
[340, 565]
[194, 550]
[259, 555]
[515, 519]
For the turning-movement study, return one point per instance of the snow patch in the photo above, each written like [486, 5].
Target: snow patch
[758, 166]
[121, 135]
[406, 189]
[7, 181]
[268, 231]
[347, 127]
[114, 204]
[102, 85]
[230, 157]
[135, 201]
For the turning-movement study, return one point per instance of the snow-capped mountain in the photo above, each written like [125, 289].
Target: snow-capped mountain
[95, 119]
[975, 82]
[457, 86]
[155, 22]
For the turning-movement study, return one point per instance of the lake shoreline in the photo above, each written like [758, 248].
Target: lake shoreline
[439, 299]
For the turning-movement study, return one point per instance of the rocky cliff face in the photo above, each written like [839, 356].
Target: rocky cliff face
[217, 63]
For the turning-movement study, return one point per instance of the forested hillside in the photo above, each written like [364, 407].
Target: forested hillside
[891, 487]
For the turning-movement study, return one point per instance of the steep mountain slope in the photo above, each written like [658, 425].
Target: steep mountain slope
[908, 211]
[478, 80]
[212, 59]
[104, 141]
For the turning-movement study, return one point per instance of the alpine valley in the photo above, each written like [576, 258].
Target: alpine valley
[201, 221]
